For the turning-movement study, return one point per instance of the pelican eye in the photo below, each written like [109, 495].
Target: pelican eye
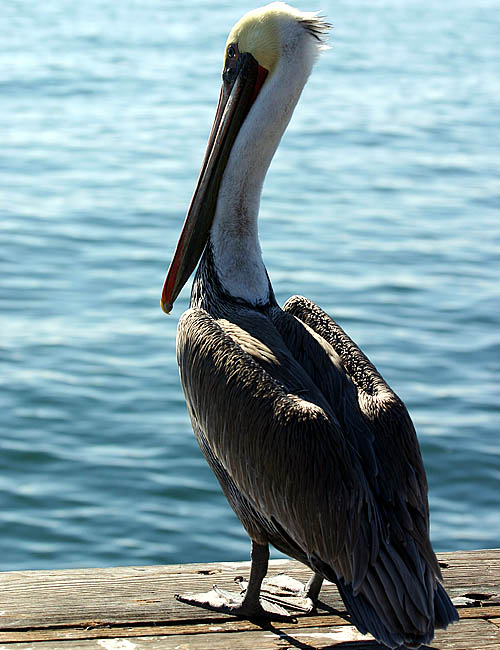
[232, 57]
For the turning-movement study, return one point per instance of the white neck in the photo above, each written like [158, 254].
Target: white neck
[234, 234]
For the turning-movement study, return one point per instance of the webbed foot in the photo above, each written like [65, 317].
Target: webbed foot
[287, 592]
[227, 602]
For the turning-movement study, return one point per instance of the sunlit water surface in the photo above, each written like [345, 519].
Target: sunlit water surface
[382, 205]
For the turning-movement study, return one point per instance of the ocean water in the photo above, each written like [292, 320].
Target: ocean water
[382, 205]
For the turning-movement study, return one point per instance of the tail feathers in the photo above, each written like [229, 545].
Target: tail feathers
[365, 618]
[444, 610]
[399, 607]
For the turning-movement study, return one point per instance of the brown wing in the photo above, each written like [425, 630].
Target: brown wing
[399, 483]
[285, 455]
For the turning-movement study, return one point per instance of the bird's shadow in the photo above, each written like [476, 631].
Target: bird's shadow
[343, 645]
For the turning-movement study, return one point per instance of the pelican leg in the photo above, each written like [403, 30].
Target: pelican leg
[247, 604]
[280, 590]
[313, 587]
[258, 569]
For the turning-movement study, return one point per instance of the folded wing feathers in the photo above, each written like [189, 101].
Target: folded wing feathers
[297, 438]
[397, 583]
[374, 540]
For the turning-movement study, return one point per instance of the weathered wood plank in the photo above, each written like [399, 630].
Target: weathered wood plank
[134, 607]
[231, 624]
[126, 595]
[329, 622]
[119, 595]
[470, 634]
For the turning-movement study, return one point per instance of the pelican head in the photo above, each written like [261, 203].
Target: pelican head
[268, 57]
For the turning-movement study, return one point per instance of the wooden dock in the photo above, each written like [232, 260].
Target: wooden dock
[133, 608]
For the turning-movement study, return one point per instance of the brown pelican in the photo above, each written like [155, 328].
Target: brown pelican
[314, 452]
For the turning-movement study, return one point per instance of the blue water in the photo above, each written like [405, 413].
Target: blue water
[382, 204]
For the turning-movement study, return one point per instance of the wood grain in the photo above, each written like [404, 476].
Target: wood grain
[130, 608]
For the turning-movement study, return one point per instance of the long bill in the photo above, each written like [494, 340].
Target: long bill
[241, 85]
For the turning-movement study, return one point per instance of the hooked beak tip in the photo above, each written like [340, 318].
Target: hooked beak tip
[166, 307]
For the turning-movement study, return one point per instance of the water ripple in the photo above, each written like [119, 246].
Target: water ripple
[382, 205]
